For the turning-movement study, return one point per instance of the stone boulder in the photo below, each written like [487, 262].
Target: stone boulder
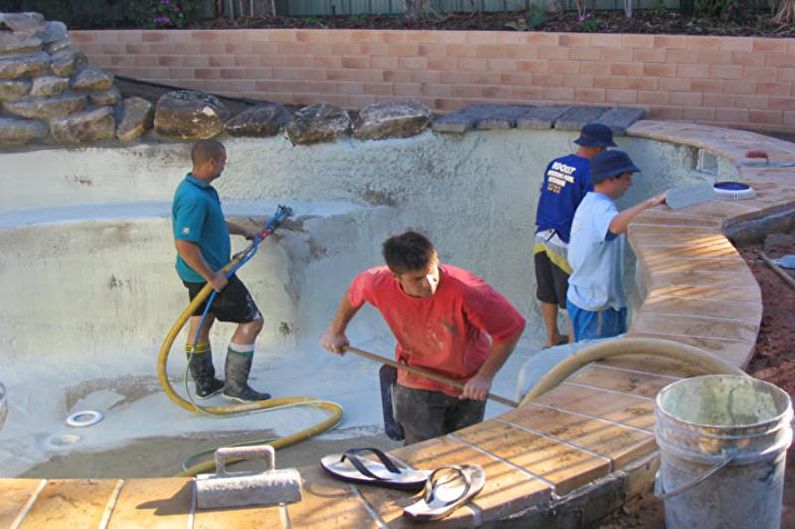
[21, 131]
[54, 31]
[318, 123]
[106, 98]
[137, 116]
[91, 79]
[13, 90]
[26, 23]
[24, 66]
[49, 85]
[396, 119]
[18, 44]
[84, 127]
[67, 61]
[46, 108]
[260, 121]
[190, 115]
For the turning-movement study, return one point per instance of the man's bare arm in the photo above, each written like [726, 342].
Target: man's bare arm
[334, 339]
[190, 253]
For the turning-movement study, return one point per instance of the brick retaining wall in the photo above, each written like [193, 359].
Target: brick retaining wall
[732, 81]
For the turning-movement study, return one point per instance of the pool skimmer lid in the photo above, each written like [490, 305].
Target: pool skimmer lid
[733, 190]
[84, 418]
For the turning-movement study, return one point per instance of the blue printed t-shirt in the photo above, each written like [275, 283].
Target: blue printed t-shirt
[596, 256]
[566, 180]
[197, 217]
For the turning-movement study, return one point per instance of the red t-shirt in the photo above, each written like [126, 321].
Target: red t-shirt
[449, 332]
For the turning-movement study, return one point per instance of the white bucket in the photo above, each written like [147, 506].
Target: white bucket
[723, 441]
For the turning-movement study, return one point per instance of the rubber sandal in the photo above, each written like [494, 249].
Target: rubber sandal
[386, 471]
[447, 488]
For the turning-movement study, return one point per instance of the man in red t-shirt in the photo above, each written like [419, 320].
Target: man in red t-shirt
[445, 320]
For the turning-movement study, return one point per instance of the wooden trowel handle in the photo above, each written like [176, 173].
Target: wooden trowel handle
[424, 373]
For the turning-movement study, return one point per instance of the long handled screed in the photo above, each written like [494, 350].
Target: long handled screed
[424, 373]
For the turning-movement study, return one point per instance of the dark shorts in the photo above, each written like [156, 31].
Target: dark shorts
[233, 303]
[428, 414]
[552, 281]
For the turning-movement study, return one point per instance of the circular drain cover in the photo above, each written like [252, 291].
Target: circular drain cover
[84, 418]
[59, 442]
[733, 190]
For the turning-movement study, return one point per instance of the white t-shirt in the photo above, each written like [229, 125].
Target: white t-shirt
[596, 256]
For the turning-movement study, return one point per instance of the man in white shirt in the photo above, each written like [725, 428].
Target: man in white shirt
[595, 300]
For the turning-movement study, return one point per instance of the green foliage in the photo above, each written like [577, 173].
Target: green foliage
[729, 10]
[534, 17]
[659, 8]
[590, 23]
[154, 14]
[359, 19]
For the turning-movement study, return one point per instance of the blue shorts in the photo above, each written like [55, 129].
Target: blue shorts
[588, 325]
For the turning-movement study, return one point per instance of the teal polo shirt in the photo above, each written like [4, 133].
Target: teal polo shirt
[196, 216]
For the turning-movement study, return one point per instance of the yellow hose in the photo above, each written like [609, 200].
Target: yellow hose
[627, 346]
[334, 409]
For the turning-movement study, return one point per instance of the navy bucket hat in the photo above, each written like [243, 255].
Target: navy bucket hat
[595, 135]
[609, 164]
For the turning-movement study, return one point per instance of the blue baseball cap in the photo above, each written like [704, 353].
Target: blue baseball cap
[609, 164]
[595, 135]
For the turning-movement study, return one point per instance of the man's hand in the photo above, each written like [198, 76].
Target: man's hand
[218, 281]
[656, 200]
[477, 388]
[250, 235]
[334, 342]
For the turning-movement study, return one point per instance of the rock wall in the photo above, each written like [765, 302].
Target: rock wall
[50, 93]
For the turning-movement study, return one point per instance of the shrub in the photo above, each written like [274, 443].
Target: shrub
[163, 13]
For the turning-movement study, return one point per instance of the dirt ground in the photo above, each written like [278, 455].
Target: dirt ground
[774, 362]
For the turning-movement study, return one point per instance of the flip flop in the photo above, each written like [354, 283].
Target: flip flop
[385, 472]
[447, 488]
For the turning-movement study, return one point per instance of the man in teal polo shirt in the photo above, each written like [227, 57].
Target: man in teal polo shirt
[201, 237]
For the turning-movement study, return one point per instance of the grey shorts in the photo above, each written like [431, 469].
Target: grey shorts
[428, 414]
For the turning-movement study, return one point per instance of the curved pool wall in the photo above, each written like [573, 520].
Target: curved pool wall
[88, 255]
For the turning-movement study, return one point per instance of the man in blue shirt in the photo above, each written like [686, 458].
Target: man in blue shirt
[566, 180]
[201, 237]
[596, 301]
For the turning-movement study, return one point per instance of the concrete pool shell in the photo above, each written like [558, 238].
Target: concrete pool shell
[590, 441]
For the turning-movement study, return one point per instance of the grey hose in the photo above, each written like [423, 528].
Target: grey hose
[630, 346]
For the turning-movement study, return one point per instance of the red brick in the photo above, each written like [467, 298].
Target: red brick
[472, 64]
[685, 99]
[514, 39]
[548, 80]
[746, 58]
[452, 37]
[574, 40]
[605, 40]
[530, 92]
[781, 103]
[768, 117]
[674, 84]
[383, 62]
[774, 89]
[665, 112]
[780, 60]
[413, 63]
[543, 39]
[653, 97]
[429, 50]
[559, 94]
[496, 51]
[361, 101]
[736, 44]
[468, 91]
[556, 53]
[786, 74]
[377, 49]
[564, 67]
[363, 35]
[753, 102]
[637, 41]
[775, 45]
[501, 65]
[460, 50]
[660, 70]
[480, 38]
[422, 36]
[532, 66]
[327, 62]
[648, 55]
[383, 89]
[396, 76]
[719, 100]
[442, 64]
[351, 89]
[425, 76]
[731, 115]
[626, 69]
[591, 95]
[83, 37]
[628, 97]
[585, 54]
[698, 114]
[681, 56]
[693, 71]
[670, 41]
[759, 74]
[355, 62]
[154, 36]
[404, 50]
[407, 89]
[726, 72]
[615, 55]
[514, 79]
[497, 92]
[579, 81]
[789, 118]
[706, 85]
[222, 60]
[592, 68]
[714, 57]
